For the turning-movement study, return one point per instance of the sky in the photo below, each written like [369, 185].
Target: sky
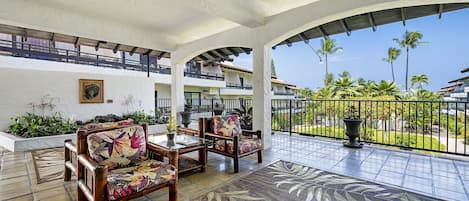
[441, 58]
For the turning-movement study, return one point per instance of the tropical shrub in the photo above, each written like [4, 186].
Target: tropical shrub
[31, 125]
[140, 117]
[245, 116]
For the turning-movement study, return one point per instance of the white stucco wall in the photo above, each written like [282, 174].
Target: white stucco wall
[164, 91]
[19, 87]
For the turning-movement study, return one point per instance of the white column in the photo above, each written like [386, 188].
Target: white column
[262, 56]
[177, 88]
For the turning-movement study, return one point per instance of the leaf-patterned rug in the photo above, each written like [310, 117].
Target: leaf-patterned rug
[49, 164]
[285, 181]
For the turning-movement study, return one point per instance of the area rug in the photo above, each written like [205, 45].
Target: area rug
[49, 164]
[284, 181]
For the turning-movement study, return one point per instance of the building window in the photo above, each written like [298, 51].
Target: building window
[192, 98]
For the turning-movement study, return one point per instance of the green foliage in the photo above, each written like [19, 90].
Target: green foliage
[405, 139]
[245, 116]
[172, 125]
[140, 117]
[31, 125]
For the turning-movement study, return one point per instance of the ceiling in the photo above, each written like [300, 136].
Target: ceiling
[183, 20]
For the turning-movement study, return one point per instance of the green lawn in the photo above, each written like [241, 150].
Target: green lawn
[393, 138]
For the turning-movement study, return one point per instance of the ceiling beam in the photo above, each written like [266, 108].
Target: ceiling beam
[232, 51]
[403, 16]
[323, 32]
[303, 37]
[345, 27]
[133, 51]
[204, 58]
[371, 19]
[148, 52]
[161, 55]
[116, 48]
[440, 11]
[288, 42]
[25, 34]
[221, 53]
[98, 44]
[77, 42]
[246, 50]
[211, 54]
[234, 11]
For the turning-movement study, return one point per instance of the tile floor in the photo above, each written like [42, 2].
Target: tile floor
[433, 175]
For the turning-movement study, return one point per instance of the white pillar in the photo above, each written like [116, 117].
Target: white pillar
[262, 56]
[177, 88]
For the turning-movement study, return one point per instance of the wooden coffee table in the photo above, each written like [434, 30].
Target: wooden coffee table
[182, 144]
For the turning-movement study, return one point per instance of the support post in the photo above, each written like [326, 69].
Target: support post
[177, 89]
[262, 105]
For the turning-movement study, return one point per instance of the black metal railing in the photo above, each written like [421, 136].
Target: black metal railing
[287, 93]
[33, 51]
[204, 75]
[238, 86]
[437, 126]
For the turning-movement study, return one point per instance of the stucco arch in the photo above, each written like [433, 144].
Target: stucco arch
[237, 37]
[301, 19]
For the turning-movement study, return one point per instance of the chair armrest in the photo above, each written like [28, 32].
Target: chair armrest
[93, 183]
[188, 131]
[251, 133]
[219, 136]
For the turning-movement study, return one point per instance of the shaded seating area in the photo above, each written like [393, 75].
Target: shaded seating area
[113, 163]
[229, 139]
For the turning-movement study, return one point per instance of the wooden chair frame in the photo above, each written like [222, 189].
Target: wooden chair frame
[206, 131]
[92, 177]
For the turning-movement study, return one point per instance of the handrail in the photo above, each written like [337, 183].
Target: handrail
[41, 52]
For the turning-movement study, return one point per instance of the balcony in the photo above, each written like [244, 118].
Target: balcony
[31, 51]
[238, 86]
[440, 177]
[204, 75]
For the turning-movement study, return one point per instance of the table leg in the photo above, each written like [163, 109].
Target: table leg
[203, 158]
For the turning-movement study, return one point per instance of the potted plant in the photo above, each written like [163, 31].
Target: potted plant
[186, 115]
[352, 124]
[245, 116]
[171, 128]
[218, 108]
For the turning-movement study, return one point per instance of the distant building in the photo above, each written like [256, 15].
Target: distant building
[458, 89]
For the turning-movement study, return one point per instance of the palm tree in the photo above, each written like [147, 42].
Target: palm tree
[410, 40]
[419, 80]
[328, 47]
[387, 88]
[393, 53]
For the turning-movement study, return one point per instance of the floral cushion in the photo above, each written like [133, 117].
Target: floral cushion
[245, 145]
[118, 148]
[226, 125]
[126, 181]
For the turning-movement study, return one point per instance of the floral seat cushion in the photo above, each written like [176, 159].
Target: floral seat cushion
[123, 182]
[226, 125]
[245, 145]
[118, 148]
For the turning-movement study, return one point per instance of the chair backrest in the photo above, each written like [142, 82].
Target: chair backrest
[116, 147]
[228, 125]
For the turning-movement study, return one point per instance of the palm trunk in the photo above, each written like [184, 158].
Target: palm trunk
[407, 69]
[392, 71]
[327, 71]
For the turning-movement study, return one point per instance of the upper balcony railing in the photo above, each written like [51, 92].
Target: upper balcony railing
[284, 93]
[33, 51]
[238, 86]
[204, 75]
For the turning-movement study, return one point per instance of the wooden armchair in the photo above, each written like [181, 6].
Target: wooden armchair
[228, 138]
[115, 164]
